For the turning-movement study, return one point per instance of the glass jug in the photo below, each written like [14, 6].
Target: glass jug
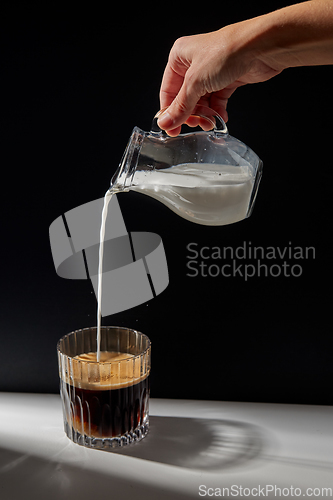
[207, 177]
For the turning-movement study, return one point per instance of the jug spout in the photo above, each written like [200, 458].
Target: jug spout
[122, 179]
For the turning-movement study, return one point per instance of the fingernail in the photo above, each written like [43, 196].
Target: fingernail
[165, 121]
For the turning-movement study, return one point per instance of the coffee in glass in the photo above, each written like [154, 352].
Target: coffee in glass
[105, 403]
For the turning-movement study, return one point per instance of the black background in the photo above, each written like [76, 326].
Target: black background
[74, 83]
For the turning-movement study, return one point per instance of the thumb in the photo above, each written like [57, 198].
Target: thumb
[181, 107]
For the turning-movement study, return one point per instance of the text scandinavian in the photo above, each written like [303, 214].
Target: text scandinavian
[214, 261]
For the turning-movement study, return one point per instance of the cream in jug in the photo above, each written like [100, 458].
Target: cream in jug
[209, 178]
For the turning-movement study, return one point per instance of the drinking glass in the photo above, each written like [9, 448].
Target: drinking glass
[106, 403]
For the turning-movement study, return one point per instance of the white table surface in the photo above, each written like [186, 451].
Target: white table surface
[269, 450]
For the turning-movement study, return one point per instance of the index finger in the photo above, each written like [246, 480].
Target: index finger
[170, 86]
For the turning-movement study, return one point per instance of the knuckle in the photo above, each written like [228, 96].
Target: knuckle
[181, 42]
[179, 46]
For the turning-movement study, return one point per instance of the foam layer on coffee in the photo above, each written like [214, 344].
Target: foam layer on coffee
[115, 370]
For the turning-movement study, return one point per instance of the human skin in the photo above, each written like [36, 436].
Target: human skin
[207, 68]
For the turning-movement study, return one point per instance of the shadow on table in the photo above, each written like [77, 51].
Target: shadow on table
[28, 477]
[200, 444]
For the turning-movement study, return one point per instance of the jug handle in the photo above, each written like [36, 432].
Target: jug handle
[215, 121]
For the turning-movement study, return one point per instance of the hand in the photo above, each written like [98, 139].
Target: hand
[207, 69]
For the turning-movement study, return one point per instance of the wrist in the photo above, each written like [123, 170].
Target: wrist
[298, 35]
